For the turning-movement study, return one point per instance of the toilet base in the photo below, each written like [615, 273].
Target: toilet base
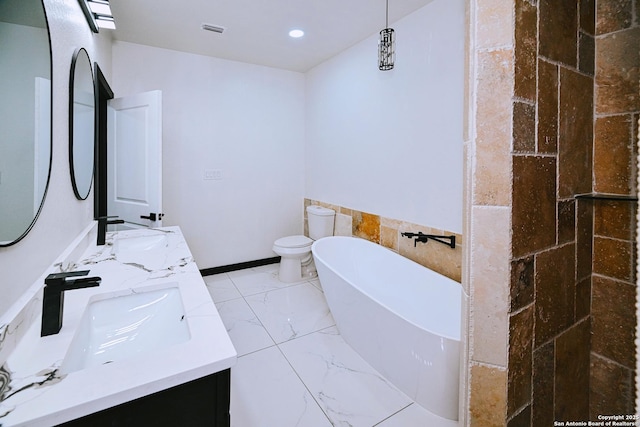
[295, 270]
[290, 270]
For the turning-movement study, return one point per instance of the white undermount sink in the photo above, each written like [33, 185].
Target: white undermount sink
[113, 328]
[140, 244]
[147, 251]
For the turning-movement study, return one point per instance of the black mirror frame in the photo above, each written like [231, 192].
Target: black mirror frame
[76, 54]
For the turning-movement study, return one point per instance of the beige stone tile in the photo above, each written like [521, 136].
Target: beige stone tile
[490, 276]
[391, 223]
[495, 78]
[343, 225]
[466, 223]
[366, 225]
[488, 400]
[448, 262]
[494, 23]
[389, 237]
[390, 232]
[307, 202]
[346, 211]
[433, 255]
[329, 206]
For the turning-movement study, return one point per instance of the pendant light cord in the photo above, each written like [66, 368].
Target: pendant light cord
[387, 16]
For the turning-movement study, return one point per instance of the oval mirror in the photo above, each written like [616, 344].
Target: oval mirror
[25, 116]
[81, 123]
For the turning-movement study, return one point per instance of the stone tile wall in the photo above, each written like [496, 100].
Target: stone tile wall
[613, 285]
[386, 232]
[549, 324]
[572, 312]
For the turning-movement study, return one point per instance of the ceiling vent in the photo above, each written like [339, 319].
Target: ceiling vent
[215, 28]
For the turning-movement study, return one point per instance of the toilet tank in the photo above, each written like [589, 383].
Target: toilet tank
[320, 221]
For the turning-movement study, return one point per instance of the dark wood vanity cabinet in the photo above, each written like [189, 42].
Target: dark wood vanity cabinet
[199, 403]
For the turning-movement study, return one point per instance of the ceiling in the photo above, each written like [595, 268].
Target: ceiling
[256, 31]
[22, 13]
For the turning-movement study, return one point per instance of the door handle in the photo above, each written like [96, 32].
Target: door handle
[152, 216]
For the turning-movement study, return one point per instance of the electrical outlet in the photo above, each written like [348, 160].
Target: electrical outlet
[213, 174]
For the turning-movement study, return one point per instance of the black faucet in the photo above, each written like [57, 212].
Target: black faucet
[424, 238]
[53, 300]
[103, 221]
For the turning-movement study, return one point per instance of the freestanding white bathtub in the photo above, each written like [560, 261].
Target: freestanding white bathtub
[401, 317]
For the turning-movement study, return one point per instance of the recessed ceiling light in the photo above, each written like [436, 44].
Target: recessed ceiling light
[296, 33]
[215, 28]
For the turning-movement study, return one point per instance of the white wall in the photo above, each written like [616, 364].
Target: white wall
[245, 120]
[390, 143]
[63, 217]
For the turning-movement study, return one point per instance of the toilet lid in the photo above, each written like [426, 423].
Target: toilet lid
[293, 242]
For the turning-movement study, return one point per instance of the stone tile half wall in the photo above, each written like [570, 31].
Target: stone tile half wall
[386, 232]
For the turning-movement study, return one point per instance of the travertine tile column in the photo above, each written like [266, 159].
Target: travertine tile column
[489, 205]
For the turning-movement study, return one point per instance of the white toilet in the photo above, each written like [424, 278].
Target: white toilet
[296, 261]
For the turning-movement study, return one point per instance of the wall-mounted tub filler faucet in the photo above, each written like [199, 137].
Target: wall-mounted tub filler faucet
[424, 238]
[103, 221]
[53, 299]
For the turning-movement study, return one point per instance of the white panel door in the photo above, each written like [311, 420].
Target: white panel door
[135, 159]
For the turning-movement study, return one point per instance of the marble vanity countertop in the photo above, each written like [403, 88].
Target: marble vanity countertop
[33, 390]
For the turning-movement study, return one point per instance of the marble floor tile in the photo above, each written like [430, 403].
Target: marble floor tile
[294, 368]
[266, 392]
[256, 280]
[316, 282]
[415, 415]
[269, 268]
[347, 389]
[221, 288]
[245, 330]
[291, 312]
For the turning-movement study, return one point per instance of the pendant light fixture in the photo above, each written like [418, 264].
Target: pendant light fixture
[386, 46]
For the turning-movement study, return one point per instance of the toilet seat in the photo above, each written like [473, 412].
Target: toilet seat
[294, 242]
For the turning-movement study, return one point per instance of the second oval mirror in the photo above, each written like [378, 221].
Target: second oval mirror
[81, 123]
